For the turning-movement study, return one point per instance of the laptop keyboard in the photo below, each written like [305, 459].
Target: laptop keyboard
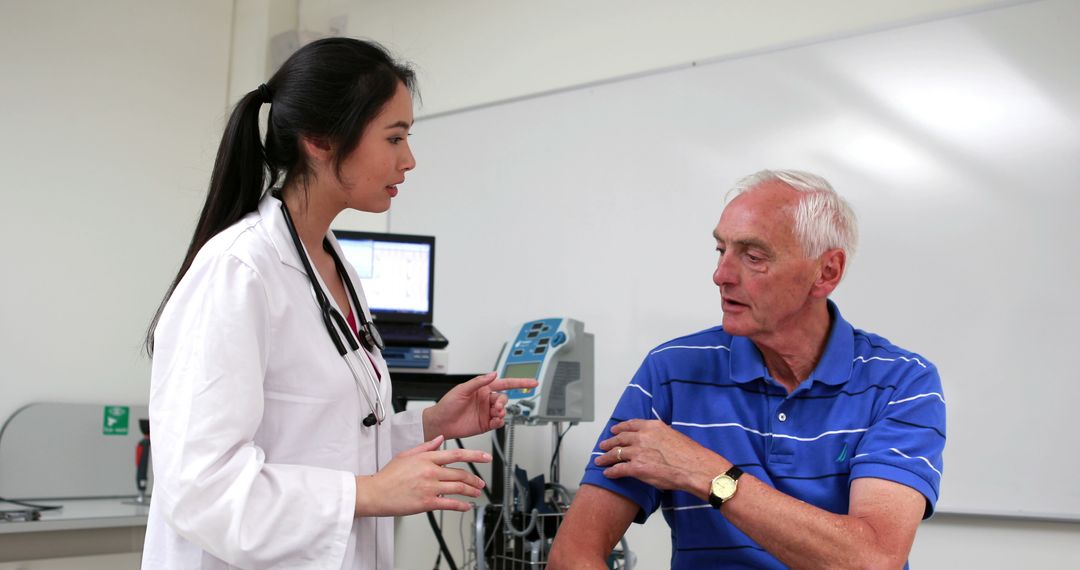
[399, 334]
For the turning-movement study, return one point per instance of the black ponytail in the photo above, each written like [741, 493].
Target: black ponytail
[331, 89]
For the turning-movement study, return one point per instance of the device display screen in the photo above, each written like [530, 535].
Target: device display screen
[523, 370]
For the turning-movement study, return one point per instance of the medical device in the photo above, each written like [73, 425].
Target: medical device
[347, 343]
[559, 354]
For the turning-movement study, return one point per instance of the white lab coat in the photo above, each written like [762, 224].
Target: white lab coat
[256, 419]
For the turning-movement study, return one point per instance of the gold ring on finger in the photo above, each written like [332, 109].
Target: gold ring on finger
[618, 454]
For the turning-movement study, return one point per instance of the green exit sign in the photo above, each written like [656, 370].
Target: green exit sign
[116, 420]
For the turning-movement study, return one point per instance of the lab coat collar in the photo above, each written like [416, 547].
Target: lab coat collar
[278, 230]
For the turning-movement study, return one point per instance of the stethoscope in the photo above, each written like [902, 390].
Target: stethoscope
[338, 328]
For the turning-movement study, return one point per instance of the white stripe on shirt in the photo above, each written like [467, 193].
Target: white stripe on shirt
[916, 397]
[705, 506]
[904, 358]
[906, 456]
[638, 386]
[778, 435]
[717, 347]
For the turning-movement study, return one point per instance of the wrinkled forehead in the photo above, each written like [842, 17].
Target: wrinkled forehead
[763, 213]
[771, 199]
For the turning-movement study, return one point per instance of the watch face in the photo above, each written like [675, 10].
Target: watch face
[723, 487]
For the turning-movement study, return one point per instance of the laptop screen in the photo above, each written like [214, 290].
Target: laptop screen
[397, 272]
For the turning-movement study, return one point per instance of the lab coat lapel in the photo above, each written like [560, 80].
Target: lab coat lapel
[278, 231]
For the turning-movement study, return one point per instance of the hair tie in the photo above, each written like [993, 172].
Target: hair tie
[265, 93]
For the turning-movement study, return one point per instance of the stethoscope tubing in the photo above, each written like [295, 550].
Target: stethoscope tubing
[345, 340]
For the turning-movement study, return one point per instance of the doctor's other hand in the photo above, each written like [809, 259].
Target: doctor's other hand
[472, 407]
[418, 480]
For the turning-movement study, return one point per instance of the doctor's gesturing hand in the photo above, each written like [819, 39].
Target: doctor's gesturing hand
[472, 407]
[417, 481]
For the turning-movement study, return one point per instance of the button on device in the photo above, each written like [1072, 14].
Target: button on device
[519, 352]
[539, 350]
[532, 334]
[536, 325]
[543, 341]
[781, 416]
[559, 338]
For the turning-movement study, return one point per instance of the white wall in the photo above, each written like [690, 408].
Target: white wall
[111, 112]
[472, 52]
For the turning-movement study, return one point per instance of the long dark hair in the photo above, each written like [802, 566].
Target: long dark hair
[330, 89]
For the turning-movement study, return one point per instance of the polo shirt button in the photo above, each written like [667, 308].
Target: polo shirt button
[782, 417]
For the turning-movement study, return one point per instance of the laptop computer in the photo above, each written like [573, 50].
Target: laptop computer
[398, 275]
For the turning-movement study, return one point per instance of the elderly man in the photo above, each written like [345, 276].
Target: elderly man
[785, 437]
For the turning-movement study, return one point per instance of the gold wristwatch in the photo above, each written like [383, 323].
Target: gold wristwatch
[724, 486]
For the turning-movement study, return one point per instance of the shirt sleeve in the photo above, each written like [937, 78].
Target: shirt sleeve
[637, 402]
[906, 442]
[212, 483]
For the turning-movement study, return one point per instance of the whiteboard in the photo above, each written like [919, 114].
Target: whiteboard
[957, 142]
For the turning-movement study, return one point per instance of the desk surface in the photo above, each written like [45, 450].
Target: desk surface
[80, 514]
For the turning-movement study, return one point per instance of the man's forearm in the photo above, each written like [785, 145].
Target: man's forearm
[572, 557]
[804, 536]
[592, 527]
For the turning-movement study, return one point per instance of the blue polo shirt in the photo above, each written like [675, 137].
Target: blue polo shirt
[869, 409]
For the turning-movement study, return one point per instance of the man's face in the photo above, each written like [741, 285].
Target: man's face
[765, 279]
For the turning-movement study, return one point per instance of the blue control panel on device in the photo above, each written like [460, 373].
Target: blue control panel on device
[559, 353]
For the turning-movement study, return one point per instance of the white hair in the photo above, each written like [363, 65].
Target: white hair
[823, 219]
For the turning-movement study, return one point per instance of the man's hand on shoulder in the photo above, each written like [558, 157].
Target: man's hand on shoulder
[657, 454]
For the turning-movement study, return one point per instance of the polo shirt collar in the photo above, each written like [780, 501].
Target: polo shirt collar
[746, 362]
[834, 367]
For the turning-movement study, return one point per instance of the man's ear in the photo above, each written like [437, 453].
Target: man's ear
[833, 263]
[318, 149]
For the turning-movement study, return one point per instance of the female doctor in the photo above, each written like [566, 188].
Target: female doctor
[272, 444]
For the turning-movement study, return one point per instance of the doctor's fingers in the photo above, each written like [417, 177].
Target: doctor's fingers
[448, 504]
[455, 475]
[477, 383]
[513, 383]
[431, 445]
[457, 488]
[448, 456]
